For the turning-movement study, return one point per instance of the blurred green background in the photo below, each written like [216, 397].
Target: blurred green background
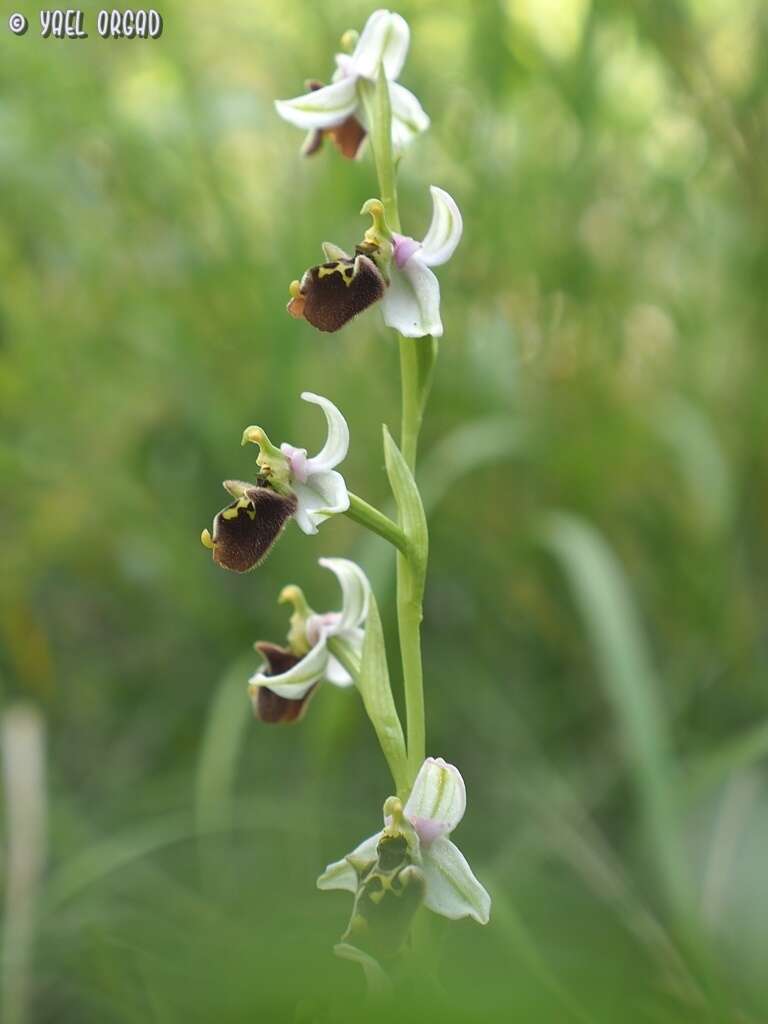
[595, 465]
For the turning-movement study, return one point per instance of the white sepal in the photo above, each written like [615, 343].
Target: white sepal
[341, 874]
[355, 592]
[323, 108]
[335, 672]
[323, 495]
[319, 489]
[444, 234]
[295, 683]
[411, 304]
[336, 445]
[313, 506]
[452, 889]
[437, 801]
[384, 40]
[409, 118]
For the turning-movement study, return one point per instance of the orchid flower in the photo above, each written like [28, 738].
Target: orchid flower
[387, 267]
[289, 484]
[281, 689]
[337, 109]
[411, 303]
[433, 810]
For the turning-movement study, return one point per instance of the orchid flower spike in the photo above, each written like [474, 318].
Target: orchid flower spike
[289, 484]
[337, 110]
[433, 810]
[411, 304]
[281, 689]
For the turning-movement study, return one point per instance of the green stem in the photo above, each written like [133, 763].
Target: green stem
[417, 359]
[369, 517]
[379, 110]
[410, 422]
[417, 364]
[409, 616]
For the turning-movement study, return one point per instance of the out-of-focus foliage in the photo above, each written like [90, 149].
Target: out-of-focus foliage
[605, 341]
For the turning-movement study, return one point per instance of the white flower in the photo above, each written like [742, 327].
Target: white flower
[319, 489]
[411, 303]
[434, 809]
[383, 41]
[290, 484]
[291, 673]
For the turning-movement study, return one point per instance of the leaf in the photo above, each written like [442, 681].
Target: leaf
[733, 755]
[408, 500]
[702, 461]
[631, 687]
[222, 743]
[377, 697]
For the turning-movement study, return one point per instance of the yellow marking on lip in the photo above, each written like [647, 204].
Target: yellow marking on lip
[346, 270]
[234, 510]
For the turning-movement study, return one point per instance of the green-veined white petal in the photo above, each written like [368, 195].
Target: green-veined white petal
[384, 40]
[411, 304]
[322, 108]
[294, 683]
[444, 233]
[355, 590]
[452, 889]
[341, 874]
[437, 801]
[336, 445]
[409, 118]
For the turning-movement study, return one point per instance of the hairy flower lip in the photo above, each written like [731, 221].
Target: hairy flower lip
[335, 292]
[245, 531]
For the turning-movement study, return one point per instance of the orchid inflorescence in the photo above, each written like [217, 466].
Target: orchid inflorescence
[411, 861]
